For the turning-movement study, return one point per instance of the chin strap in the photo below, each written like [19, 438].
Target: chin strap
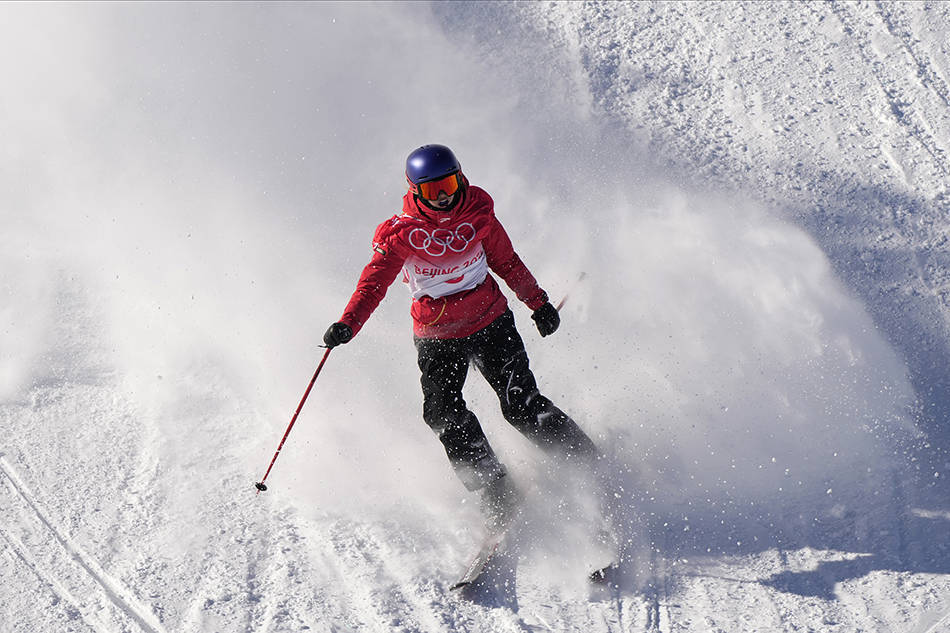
[425, 203]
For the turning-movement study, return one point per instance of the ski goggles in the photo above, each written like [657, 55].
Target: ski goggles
[431, 190]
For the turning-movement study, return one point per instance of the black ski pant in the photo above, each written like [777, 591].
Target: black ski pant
[498, 353]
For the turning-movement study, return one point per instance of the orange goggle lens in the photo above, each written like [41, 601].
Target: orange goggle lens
[431, 190]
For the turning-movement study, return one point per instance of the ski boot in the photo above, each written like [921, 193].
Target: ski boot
[500, 501]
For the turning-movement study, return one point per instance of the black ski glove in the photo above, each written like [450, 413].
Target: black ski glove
[337, 334]
[546, 318]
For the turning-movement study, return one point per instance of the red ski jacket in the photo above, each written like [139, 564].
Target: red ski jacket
[445, 259]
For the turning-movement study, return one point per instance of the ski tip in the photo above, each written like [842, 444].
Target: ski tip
[605, 576]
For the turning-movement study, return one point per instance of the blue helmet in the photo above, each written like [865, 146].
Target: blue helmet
[430, 162]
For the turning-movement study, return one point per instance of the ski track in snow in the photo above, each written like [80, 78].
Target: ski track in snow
[900, 76]
[61, 564]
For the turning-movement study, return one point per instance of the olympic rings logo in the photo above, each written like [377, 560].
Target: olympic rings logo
[440, 241]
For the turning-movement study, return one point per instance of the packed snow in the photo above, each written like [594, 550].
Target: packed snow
[745, 205]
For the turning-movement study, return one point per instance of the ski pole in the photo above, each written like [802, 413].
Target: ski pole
[561, 303]
[260, 484]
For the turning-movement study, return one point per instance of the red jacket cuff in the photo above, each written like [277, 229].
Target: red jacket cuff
[536, 302]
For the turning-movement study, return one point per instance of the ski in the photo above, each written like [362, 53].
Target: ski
[481, 561]
[605, 576]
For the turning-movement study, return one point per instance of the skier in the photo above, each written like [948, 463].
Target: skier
[445, 241]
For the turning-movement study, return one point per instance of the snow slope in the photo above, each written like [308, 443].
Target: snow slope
[756, 192]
